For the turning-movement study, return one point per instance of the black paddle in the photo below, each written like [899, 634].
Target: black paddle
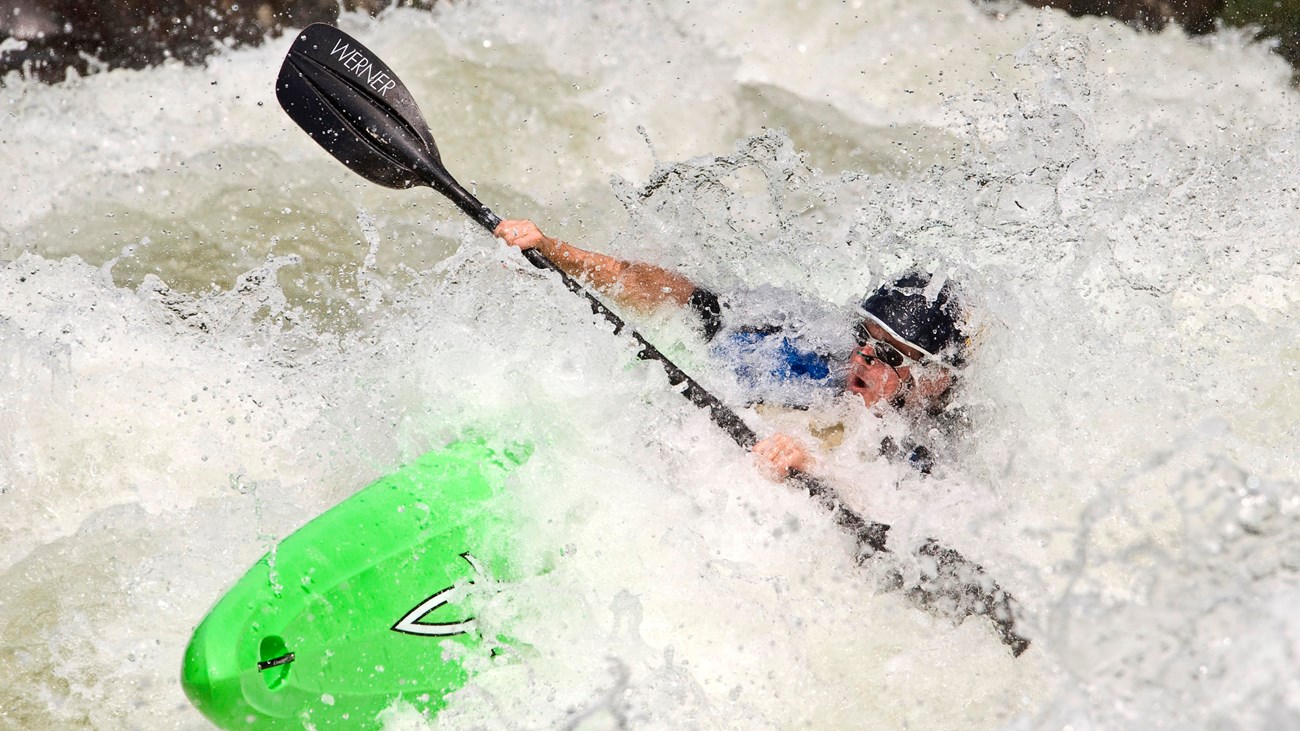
[354, 106]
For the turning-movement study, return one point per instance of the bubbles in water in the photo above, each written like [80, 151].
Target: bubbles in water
[266, 334]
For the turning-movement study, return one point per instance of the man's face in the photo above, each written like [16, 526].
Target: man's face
[880, 384]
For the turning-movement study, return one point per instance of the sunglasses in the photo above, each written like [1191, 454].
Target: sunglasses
[882, 351]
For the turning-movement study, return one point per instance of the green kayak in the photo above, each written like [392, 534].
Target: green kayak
[365, 604]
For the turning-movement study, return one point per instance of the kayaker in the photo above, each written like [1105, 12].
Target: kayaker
[905, 354]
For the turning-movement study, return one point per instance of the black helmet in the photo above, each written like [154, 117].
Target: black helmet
[932, 326]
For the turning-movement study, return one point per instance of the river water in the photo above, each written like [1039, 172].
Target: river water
[211, 332]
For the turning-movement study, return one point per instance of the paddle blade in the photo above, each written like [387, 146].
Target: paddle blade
[355, 107]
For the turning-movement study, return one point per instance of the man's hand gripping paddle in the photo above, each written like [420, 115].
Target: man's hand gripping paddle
[355, 107]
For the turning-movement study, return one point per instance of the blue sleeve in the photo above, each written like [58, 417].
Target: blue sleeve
[773, 368]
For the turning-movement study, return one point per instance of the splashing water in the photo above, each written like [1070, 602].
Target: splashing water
[212, 332]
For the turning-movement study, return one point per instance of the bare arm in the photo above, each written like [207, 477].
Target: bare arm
[644, 287]
[636, 285]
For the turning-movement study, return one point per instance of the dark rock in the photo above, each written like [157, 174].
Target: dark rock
[1196, 16]
[50, 36]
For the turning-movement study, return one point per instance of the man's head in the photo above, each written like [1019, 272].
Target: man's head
[909, 345]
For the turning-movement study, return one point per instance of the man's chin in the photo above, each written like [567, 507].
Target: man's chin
[876, 403]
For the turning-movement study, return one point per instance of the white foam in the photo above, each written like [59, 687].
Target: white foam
[273, 333]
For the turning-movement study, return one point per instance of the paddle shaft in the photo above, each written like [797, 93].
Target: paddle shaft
[977, 592]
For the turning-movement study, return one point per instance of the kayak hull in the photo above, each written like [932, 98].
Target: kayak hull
[366, 604]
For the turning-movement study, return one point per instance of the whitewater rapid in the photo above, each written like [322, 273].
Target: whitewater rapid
[212, 332]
